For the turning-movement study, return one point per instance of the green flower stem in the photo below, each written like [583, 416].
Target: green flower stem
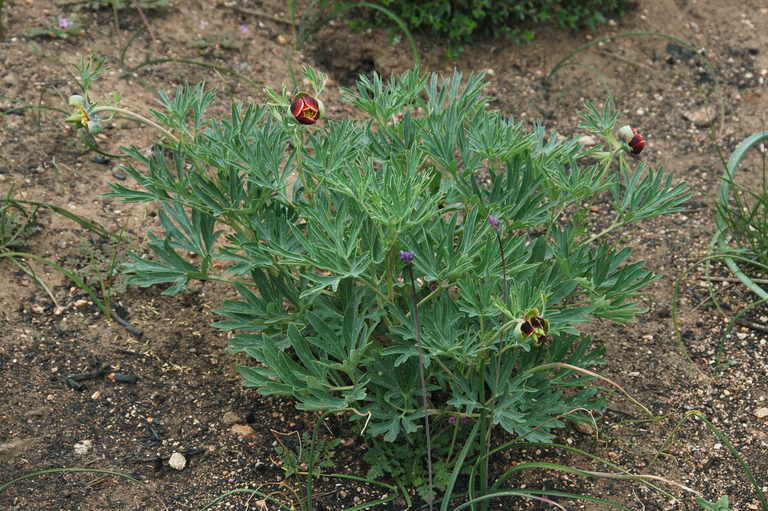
[425, 404]
[136, 117]
[622, 165]
[454, 436]
[503, 268]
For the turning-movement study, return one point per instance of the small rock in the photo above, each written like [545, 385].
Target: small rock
[702, 117]
[40, 411]
[119, 377]
[587, 140]
[585, 427]
[282, 40]
[177, 461]
[761, 413]
[38, 309]
[15, 447]
[83, 447]
[96, 395]
[118, 175]
[243, 431]
[230, 418]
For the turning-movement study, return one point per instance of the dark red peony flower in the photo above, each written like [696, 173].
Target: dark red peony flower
[305, 109]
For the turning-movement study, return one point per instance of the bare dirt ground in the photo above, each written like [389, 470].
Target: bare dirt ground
[188, 396]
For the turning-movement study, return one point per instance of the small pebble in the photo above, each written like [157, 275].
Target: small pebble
[243, 431]
[230, 418]
[83, 447]
[177, 461]
[118, 175]
[702, 117]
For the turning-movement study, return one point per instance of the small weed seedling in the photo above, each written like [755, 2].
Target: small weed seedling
[57, 28]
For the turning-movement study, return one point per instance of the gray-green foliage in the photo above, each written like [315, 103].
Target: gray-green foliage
[324, 304]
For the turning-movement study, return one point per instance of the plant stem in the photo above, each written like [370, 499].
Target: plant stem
[409, 268]
[503, 267]
[135, 117]
[603, 232]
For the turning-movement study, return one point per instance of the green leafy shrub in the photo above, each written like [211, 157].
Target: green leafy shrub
[460, 19]
[432, 236]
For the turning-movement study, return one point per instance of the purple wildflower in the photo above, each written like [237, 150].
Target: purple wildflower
[244, 29]
[451, 420]
[406, 256]
[494, 222]
[465, 420]
[202, 24]
[64, 22]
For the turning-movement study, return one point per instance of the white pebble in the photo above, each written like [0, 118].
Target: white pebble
[177, 461]
[83, 447]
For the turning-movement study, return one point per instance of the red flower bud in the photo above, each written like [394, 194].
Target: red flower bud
[637, 143]
[305, 109]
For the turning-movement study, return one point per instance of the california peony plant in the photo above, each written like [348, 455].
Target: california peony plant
[309, 223]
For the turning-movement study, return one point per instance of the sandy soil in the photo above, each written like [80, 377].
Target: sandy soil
[188, 396]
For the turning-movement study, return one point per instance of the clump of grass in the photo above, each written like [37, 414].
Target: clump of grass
[16, 224]
[744, 213]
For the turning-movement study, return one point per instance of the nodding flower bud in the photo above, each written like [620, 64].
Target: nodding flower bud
[494, 222]
[625, 133]
[406, 256]
[637, 143]
[76, 100]
[306, 109]
[633, 138]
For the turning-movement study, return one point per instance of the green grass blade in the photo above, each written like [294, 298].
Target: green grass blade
[744, 466]
[459, 463]
[74, 277]
[548, 493]
[725, 191]
[400, 23]
[5, 486]
[246, 490]
[83, 222]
